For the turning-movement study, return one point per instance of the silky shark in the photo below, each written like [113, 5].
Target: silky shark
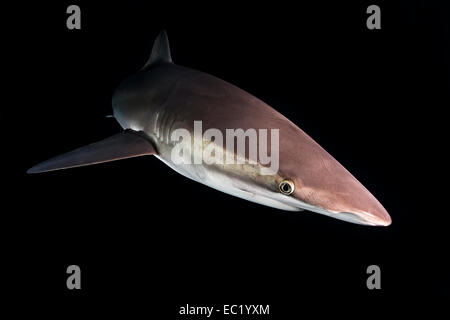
[163, 97]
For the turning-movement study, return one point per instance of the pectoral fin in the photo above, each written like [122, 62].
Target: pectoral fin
[124, 145]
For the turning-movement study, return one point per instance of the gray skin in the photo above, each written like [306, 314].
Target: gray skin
[163, 97]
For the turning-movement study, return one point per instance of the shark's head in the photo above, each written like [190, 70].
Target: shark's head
[321, 184]
[333, 192]
[300, 175]
[339, 196]
[310, 179]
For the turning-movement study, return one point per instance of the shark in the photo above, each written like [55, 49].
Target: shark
[163, 97]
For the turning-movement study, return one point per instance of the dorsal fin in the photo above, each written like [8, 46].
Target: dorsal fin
[160, 50]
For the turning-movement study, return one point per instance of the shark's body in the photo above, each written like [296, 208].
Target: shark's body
[164, 97]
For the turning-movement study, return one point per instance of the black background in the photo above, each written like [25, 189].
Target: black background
[148, 240]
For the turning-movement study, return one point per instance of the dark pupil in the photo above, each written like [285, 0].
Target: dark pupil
[286, 187]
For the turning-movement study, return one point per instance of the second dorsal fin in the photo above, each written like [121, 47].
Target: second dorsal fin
[160, 50]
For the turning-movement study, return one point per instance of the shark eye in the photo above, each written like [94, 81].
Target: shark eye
[286, 187]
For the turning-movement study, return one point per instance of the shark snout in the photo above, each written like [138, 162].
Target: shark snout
[350, 202]
[378, 218]
[374, 217]
[362, 206]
